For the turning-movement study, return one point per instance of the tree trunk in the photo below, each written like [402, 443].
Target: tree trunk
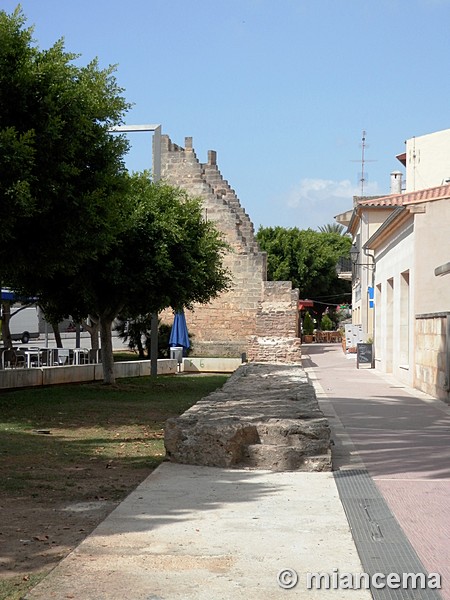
[58, 340]
[6, 334]
[107, 350]
[77, 335]
[140, 348]
[93, 330]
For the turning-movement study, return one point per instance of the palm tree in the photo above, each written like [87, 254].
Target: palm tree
[332, 228]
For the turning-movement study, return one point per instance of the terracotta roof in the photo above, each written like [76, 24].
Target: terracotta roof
[402, 158]
[436, 193]
[391, 200]
[427, 195]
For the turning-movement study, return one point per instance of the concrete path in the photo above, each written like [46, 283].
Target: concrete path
[206, 533]
[402, 437]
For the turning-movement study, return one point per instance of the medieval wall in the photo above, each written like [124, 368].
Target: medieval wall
[253, 306]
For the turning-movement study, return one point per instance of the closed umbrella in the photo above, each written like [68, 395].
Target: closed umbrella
[179, 335]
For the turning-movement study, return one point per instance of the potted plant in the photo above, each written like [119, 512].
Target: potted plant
[326, 324]
[308, 329]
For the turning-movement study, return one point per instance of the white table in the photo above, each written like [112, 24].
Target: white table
[80, 356]
[33, 356]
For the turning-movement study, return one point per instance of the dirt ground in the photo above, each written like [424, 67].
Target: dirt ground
[68, 456]
[37, 530]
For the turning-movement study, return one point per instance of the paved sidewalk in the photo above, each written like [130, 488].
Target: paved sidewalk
[402, 437]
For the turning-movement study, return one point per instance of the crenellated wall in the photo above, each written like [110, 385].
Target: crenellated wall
[253, 306]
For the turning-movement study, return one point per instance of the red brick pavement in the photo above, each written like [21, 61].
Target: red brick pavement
[403, 438]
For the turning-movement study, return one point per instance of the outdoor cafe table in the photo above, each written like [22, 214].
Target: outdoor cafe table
[80, 356]
[32, 355]
[40, 356]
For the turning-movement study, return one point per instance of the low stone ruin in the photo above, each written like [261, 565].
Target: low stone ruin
[266, 416]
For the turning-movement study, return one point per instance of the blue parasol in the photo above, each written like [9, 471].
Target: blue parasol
[179, 335]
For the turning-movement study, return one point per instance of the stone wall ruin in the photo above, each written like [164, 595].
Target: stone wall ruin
[266, 416]
[255, 317]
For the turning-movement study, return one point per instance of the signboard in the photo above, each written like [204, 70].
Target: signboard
[364, 355]
[353, 335]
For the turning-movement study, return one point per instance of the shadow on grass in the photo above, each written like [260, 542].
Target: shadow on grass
[68, 444]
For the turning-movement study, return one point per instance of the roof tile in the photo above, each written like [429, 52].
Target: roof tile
[427, 195]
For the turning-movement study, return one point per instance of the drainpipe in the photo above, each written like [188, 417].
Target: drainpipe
[447, 348]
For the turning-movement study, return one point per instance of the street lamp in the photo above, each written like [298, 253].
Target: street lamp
[354, 256]
[156, 175]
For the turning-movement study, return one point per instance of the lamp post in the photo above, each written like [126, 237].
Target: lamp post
[354, 256]
[156, 173]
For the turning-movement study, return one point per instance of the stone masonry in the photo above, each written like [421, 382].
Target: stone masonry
[431, 369]
[255, 316]
[266, 416]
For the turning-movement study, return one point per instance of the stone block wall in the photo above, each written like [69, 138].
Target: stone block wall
[274, 349]
[252, 306]
[277, 311]
[431, 364]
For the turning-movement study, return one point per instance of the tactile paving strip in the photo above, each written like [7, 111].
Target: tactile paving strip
[382, 546]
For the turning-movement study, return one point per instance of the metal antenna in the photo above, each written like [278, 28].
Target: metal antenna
[363, 161]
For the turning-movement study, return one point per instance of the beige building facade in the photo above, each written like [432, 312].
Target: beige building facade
[366, 217]
[412, 300]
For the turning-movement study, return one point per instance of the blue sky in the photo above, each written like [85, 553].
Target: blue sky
[282, 90]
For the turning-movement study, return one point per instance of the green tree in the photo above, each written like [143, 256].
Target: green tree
[138, 332]
[307, 258]
[62, 175]
[166, 255]
[308, 324]
[326, 324]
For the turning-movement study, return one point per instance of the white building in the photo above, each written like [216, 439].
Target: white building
[403, 241]
[426, 160]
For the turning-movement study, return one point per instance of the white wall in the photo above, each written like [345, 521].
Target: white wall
[432, 249]
[394, 328]
[427, 163]
[371, 219]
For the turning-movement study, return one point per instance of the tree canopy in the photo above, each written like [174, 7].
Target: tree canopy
[332, 228]
[166, 255]
[62, 174]
[307, 258]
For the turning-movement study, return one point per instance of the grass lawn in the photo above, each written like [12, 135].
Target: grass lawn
[69, 454]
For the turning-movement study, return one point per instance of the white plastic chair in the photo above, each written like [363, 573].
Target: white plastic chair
[63, 356]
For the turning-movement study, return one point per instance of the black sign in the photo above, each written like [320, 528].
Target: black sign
[364, 355]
